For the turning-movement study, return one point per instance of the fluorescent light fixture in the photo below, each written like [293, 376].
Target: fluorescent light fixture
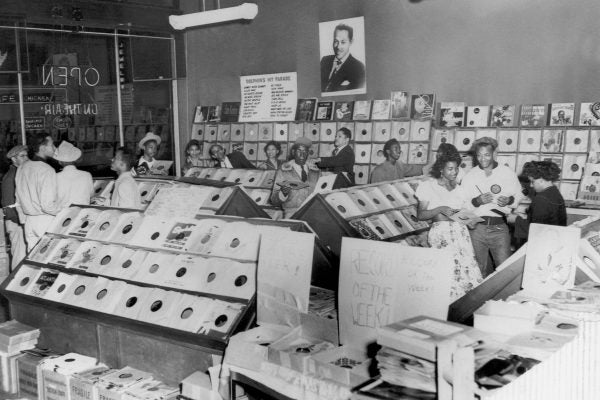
[243, 11]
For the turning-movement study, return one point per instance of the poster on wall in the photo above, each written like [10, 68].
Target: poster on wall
[13, 43]
[342, 50]
[270, 97]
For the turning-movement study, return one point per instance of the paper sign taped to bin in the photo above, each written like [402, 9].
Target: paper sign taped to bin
[381, 283]
[285, 268]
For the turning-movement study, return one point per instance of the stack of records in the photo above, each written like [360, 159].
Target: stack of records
[403, 369]
[15, 336]
[322, 303]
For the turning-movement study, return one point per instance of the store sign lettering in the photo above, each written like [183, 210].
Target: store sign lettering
[70, 109]
[27, 98]
[59, 76]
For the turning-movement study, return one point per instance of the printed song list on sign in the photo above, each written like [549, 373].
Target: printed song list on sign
[270, 97]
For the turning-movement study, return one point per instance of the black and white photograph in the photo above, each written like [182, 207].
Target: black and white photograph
[342, 49]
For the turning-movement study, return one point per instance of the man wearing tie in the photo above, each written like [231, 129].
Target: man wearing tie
[295, 180]
[235, 159]
[342, 156]
[341, 71]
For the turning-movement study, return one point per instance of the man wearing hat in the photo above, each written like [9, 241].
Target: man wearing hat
[149, 145]
[74, 186]
[17, 155]
[295, 180]
[235, 159]
[36, 189]
[342, 156]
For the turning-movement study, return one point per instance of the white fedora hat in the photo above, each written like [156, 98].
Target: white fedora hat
[149, 136]
[67, 152]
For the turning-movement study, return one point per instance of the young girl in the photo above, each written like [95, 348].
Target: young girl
[547, 204]
[193, 151]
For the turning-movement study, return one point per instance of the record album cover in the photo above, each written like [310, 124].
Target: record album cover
[452, 114]
[552, 140]
[477, 116]
[589, 114]
[533, 115]
[343, 111]
[381, 109]
[503, 115]
[362, 110]
[324, 111]
[400, 104]
[561, 114]
[305, 110]
[230, 111]
[422, 106]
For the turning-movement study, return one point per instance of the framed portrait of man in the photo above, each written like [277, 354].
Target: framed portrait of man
[342, 51]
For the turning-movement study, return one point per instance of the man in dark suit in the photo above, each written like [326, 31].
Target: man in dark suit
[342, 157]
[341, 71]
[235, 159]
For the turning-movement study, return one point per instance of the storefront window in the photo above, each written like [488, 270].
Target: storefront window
[71, 85]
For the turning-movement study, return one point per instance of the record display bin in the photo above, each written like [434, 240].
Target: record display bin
[238, 202]
[74, 256]
[379, 211]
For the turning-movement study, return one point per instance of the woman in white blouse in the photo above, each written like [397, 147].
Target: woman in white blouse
[439, 198]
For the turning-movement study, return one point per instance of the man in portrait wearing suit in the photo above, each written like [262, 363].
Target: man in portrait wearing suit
[342, 156]
[341, 71]
[235, 159]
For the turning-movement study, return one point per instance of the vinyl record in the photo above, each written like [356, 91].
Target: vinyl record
[105, 225]
[60, 288]
[187, 272]
[393, 198]
[154, 268]
[442, 136]
[420, 130]
[106, 294]
[191, 313]
[377, 154]
[218, 196]
[400, 131]
[178, 234]
[23, 278]
[399, 221]
[364, 132]
[106, 259]
[158, 306]
[131, 301]
[64, 251]
[576, 140]
[530, 140]
[84, 222]
[362, 153]
[463, 140]
[410, 213]
[85, 256]
[406, 191]
[382, 131]
[238, 240]
[63, 220]
[343, 204]
[222, 318]
[43, 249]
[362, 201]
[206, 235]
[508, 140]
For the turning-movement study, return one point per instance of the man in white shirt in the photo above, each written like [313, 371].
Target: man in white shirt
[494, 190]
[74, 186]
[125, 193]
[36, 189]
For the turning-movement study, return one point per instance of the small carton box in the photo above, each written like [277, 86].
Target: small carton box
[342, 364]
[81, 386]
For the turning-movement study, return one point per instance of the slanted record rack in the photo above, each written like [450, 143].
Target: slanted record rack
[379, 211]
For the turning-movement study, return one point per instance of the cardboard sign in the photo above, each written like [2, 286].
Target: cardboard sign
[271, 97]
[381, 283]
[284, 269]
[550, 261]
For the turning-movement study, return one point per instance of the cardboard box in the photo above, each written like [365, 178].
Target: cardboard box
[506, 318]
[343, 364]
[8, 371]
[27, 376]
[248, 349]
[81, 386]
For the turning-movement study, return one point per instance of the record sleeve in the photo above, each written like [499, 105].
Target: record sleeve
[569, 190]
[362, 153]
[400, 131]
[452, 114]
[400, 103]
[381, 131]
[377, 154]
[64, 251]
[43, 249]
[463, 140]
[152, 232]
[381, 110]
[191, 313]
[533, 115]
[362, 201]
[508, 160]
[363, 132]
[127, 227]
[25, 277]
[179, 234]
[442, 136]
[199, 115]
[85, 255]
[552, 140]
[343, 204]
[328, 130]
[410, 213]
[222, 317]
[63, 220]
[42, 284]
[324, 111]
[295, 131]
[107, 258]
[361, 174]
[250, 132]
[312, 131]
[362, 110]
[238, 240]
[573, 165]
[158, 306]
[477, 116]
[561, 114]
[503, 115]
[417, 153]
[419, 130]
[342, 110]
[106, 224]
[60, 288]
[84, 222]
[529, 140]
[305, 109]
[224, 133]
[422, 106]
[589, 114]
[508, 140]
[576, 140]
[205, 235]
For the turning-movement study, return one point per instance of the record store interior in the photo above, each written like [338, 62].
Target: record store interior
[317, 199]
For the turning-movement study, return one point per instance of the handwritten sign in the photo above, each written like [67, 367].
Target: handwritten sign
[381, 283]
[35, 123]
[271, 97]
[550, 261]
[284, 270]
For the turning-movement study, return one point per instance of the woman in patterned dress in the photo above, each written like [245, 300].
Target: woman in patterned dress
[439, 198]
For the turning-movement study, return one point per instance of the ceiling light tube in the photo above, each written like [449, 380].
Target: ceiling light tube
[243, 11]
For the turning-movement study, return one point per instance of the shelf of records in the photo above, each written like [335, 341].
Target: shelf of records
[381, 211]
[185, 197]
[192, 275]
[423, 106]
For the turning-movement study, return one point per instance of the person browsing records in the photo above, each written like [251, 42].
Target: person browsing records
[235, 159]
[125, 193]
[493, 191]
[146, 163]
[392, 168]
[341, 71]
[342, 156]
[74, 186]
[440, 198]
[295, 180]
